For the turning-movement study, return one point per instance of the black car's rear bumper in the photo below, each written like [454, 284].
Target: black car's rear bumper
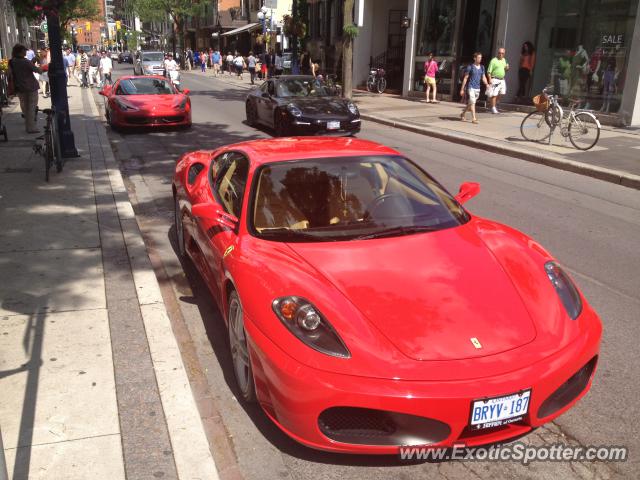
[319, 127]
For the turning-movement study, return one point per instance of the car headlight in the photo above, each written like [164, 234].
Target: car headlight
[293, 110]
[565, 288]
[183, 104]
[125, 106]
[306, 322]
[352, 108]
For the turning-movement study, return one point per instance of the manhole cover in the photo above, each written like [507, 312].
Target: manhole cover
[17, 170]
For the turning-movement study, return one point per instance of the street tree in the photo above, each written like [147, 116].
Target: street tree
[67, 10]
[349, 33]
[177, 11]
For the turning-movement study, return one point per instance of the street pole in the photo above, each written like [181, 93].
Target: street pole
[295, 66]
[58, 85]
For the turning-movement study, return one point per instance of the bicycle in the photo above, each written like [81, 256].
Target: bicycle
[376, 82]
[48, 145]
[581, 127]
[331, 82]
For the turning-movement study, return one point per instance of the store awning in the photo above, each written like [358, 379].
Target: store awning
[244, 28]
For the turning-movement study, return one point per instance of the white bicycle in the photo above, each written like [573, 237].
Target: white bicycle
[581, 127]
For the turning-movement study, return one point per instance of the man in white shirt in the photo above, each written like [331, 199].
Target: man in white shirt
[106, 67]
[230, 65]
[170, 64]
[238, 62]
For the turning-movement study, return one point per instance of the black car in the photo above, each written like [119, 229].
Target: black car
[301, 105]
[125, 57]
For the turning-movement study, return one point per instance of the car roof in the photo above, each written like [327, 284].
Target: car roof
[301, 148]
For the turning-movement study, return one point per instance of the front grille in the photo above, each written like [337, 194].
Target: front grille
[155, 120]
[568, 391]
[365, 426]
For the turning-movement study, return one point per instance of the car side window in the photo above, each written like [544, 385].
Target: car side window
[194, 171]
[264, 87]
[231, 181]
[271, 88]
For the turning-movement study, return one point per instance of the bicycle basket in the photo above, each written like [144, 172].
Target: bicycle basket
[541, 102]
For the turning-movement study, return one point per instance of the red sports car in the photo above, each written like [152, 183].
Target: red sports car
[367, 309]
[146, 101]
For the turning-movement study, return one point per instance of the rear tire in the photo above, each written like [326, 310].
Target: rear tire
[179, 226]
[584, 131]
[381, 85]
[250, 111]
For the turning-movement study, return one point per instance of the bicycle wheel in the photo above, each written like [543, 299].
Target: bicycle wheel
[47, 153]
[584, 130]
[535, 127]
[370, 84]
[55, 141]
[381, 84]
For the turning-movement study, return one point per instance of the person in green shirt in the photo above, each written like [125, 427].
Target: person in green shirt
[496, 73]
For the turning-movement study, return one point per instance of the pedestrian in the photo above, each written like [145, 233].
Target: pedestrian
[496, 72]
[44, 58]
[94, 65]
[189, 61]
[30, 54]
[527, 62]
[430, 70]
[305, 63]
[71, 63]
[203, 61]
[216, 60]
[25, 85]
[279, 63]
[230, 63]
[263, 65]
[106, 67]
[474, 75]
[238, 62]
[270, 60]
[84, 68]
[251, 65]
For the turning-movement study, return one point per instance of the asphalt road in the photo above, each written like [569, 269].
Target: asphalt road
[592, 227]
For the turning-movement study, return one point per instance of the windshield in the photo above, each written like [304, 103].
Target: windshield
[349, 198]
[145, 86]
[153, 57]
[302, 88]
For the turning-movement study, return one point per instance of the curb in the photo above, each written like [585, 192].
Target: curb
[191, 450]
[544, 158]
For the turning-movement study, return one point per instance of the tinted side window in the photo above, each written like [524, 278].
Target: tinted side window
[194, 171]
[231, 181]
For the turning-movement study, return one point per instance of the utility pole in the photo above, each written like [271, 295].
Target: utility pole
[58, 84]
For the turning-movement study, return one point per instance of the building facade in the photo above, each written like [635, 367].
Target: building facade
[586, 49]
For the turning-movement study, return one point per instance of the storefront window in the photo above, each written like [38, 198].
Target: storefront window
[436, 27]
[583, 48]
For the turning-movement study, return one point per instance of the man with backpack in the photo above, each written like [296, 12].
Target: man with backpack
[474, 76]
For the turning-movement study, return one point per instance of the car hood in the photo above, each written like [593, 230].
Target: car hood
[430, 294]
[319, 106]
[152, 102]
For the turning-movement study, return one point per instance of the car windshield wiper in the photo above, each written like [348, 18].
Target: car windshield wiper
[397, 231]
[287, 233]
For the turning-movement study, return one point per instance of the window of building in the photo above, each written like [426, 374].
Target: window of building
[436, 27]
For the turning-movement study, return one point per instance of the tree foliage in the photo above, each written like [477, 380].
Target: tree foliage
[66, 10]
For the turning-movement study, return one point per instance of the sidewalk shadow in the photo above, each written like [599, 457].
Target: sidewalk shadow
[32, 342]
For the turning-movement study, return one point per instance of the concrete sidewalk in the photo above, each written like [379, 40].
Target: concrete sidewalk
[92, 384]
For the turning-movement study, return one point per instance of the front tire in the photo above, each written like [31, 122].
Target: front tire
[382, 84]
[535, 127]
[584, 131]
[240, 349]
[250, 110]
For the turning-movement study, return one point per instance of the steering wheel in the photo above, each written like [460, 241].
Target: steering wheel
[377, 202]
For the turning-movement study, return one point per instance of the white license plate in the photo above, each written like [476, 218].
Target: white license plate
[333, 125]
[493, 412]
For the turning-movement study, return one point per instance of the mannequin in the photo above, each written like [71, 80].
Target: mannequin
[593, 77]
[609, 78]
[579, 70]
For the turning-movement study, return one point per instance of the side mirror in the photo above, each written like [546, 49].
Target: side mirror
[214, 212]
[106, 91]
[467, 191]
[186, 91]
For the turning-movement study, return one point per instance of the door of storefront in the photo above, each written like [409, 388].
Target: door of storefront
[452, 30]
[395, 49]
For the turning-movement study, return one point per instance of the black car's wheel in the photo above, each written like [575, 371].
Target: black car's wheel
[240, 349]
[252, 115]
[282, 124]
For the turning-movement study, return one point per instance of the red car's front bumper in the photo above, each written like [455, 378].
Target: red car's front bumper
[295, 396]
[160, 118]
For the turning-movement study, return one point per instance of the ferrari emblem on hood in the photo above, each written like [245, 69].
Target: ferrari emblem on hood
[476, 342]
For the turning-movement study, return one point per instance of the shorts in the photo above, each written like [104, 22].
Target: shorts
[498, 87]
[472, 95]
[429, 81]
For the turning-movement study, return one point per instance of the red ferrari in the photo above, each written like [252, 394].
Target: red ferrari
[367, 309]
[146, 101]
